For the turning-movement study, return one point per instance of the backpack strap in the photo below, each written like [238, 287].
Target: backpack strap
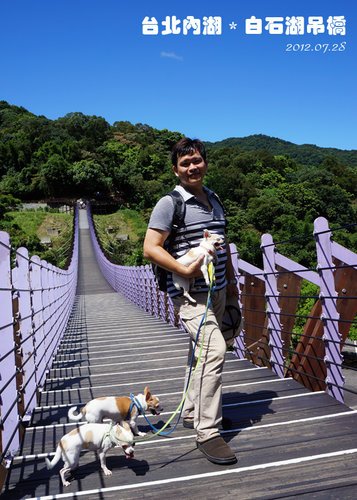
[218, 200]
[177, 222]
[180, 211]
[178, 217]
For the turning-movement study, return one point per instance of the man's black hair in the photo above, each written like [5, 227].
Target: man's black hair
[187, 146]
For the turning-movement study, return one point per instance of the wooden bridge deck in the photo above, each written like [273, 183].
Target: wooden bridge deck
[289, 442]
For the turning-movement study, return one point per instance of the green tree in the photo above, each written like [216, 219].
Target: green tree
[90, 177]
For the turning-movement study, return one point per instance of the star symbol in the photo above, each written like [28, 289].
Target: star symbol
[233, 25]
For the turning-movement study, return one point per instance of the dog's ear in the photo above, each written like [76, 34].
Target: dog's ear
[206, 233]
[147, 393]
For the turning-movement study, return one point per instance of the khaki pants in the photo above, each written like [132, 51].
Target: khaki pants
[204, 399]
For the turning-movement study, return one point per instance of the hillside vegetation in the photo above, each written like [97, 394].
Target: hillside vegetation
[266, 184]
[29, 229]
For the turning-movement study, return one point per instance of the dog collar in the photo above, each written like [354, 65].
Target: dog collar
[135, 403]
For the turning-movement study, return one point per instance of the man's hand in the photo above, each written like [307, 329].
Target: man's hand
[194, 269]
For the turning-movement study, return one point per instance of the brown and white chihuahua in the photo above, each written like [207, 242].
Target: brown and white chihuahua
[118, 408]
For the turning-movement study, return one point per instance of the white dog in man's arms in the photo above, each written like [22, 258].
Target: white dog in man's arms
[208, 247]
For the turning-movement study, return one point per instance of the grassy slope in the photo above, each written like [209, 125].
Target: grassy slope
[127, 223]
[35, 224]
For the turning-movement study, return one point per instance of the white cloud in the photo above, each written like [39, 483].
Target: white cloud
[171, 55]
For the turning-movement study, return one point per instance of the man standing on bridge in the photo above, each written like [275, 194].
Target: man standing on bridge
[202, 210]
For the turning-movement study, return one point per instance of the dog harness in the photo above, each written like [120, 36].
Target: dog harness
[112, 436]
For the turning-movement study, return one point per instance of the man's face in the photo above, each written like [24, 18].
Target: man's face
[191, 169]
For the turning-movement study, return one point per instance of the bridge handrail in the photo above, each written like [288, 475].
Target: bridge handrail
[269, 300]
[137, 283]
[36, 299]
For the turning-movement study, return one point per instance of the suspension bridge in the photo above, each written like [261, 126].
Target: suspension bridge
[98, 329]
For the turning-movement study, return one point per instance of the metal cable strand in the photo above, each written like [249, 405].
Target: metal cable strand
[41, 325]
[320, 380]
[263, 295]
[2, 327]
[346, 367]
[34, 313]
[287, 349]
[37, 346]
[297, 271]
[4, 453]
[46, 366]
[254, 325]
[331, 229]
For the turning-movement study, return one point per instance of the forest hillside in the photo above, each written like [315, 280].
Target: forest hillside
[266, 184]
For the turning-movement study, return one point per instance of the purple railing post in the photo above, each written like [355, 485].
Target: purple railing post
[139, 288]
[46, 308]
[37, 318]
[273, 308]
[58, 281]
[51, 320]
[8, 391]
[161, 305]
[133, 285]
[330, 316]
[146, 288]
[171, 311]
[152, 288]
[239, 345]
[21, 282]
[116, 278]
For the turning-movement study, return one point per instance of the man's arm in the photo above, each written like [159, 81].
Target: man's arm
[155, 252]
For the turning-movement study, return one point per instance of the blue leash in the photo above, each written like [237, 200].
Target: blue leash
[137, 403]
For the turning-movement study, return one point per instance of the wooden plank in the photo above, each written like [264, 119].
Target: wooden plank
[160, 462]
[242, 416]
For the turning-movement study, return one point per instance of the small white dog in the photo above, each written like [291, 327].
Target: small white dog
[100, 437]
[208, 247]
[118, 409]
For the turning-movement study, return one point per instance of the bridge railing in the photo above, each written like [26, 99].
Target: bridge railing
[269, 300]
[137, 283]
[36, 299]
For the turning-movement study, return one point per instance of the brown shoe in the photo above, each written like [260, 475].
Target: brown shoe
[188, 423]
[217, 451]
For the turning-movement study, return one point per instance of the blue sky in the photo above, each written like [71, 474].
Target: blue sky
[60, 56]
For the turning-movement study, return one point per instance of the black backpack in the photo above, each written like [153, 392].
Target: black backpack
[177, 222]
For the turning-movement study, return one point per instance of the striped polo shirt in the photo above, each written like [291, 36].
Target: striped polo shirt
[197, 218]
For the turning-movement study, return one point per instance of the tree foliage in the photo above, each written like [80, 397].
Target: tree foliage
[266, 184]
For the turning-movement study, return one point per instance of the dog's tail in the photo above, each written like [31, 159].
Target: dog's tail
[75, 418]
[52, 463]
